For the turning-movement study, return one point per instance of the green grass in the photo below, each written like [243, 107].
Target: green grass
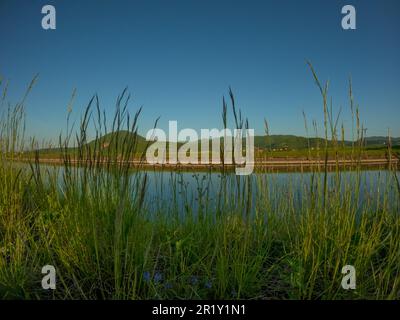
[107, 240]
[266, 147]
[373, 152]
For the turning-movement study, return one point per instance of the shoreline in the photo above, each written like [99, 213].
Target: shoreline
[281, 165]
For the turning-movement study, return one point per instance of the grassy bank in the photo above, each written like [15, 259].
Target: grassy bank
[256, 241]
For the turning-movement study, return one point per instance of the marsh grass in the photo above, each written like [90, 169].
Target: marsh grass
[252, 238]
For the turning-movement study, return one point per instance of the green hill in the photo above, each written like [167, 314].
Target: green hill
[116, 140]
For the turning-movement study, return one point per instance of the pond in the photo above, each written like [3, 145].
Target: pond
[181, 192]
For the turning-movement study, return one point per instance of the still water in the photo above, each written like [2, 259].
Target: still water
[184, 192]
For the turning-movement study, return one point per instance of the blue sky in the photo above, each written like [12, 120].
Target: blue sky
[178, 59]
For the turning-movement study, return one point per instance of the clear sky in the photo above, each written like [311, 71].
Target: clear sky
[178, 59]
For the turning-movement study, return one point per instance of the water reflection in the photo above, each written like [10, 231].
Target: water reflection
[200, 192]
